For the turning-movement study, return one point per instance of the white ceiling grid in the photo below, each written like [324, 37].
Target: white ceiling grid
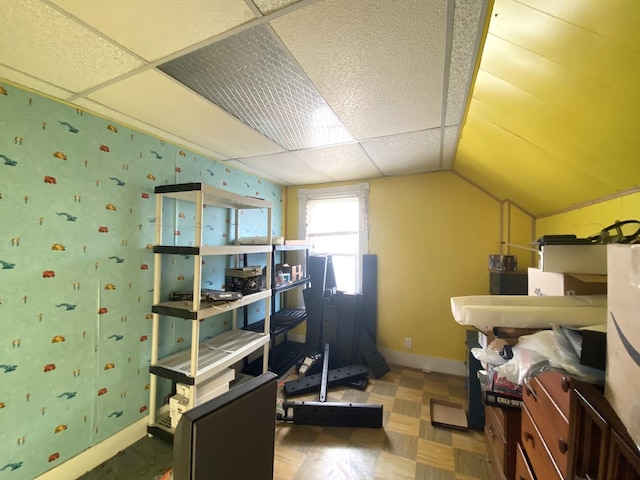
[391, 77]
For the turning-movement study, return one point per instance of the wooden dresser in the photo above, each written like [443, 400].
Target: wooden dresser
[544, 433]
[601, 448]
[501, 431]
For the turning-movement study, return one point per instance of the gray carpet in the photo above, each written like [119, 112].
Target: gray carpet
[147, 459]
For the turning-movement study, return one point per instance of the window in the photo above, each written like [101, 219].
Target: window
[335, 222]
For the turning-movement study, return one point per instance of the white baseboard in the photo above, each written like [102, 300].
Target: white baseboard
[411, 360]
[425, 363]
[94, 456]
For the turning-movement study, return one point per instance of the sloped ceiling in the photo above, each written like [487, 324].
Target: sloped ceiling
[316, 91]
[554, 114]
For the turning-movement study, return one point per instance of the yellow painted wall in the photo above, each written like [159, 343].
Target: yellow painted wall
[590, 219]
[518, 228]
[432, 234]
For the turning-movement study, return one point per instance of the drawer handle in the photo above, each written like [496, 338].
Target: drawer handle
[531, 392]
[562, 445]
[528, 437]
[491, 432]
[565, 384]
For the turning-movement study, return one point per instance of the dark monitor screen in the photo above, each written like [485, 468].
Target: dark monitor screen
[229, 437]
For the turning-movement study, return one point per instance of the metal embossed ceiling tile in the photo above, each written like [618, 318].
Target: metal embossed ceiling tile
[251, 76]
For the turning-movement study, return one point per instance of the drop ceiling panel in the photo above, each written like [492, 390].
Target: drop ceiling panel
[269, 6]
[178, 110]
[449, 147]
[287, 167]
[468, 15]
[33, 83]
[107, 112]
[251, 76]
[406, 153]
[156, 28]
[365, 56]
[340, 162]
[40, 41]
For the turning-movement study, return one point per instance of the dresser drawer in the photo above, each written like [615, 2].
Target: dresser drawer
[502, 432]
[494, 437]
[559, 388]
[539, 458]
[550, 422]
[523, 470]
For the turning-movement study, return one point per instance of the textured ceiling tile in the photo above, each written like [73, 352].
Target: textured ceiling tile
[38, 39]
[33, 83]
[270, 6]
[340, 162]
[156, 28]
[237, 164]
[250, 76]
[379, 64]
[402, 154]
[154, 98]
[450, 146]
[467, 21]
[100, 109]
[288, 167]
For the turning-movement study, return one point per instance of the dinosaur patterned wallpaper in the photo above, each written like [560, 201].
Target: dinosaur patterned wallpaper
[77, 215]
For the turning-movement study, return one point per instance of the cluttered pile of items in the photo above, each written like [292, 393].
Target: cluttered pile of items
[340, 350]
[560, 325]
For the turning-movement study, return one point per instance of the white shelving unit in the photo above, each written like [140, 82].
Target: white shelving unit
[204, 360]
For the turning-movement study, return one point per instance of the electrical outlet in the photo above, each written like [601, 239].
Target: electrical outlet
[408, 342]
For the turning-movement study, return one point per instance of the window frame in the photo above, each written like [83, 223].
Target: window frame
[361, 191]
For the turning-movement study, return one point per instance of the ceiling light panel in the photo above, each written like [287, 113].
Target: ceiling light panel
[179, 110]
[251, 76]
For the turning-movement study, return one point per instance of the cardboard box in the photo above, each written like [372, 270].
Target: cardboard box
[574, 259]
[502, 400]
[622, 388]
[494, 395]
[559, 284]
[294, 272]
[448, 414]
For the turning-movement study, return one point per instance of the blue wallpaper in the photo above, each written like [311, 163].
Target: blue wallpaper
[77, 215]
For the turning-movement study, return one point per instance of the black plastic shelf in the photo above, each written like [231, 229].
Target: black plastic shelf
[290, 285]
[281, 359]
[281, 321]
